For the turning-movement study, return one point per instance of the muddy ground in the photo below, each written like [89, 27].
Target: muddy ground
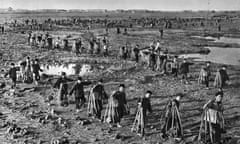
[29, 107]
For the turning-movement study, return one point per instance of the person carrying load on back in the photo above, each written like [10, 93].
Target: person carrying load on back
[173, 126]
[140, 121]
[96, 98]
[117, 107]
[214, 120]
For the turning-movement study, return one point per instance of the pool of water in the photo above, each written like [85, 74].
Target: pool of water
[226, 40]
[69, 69]
[229, 56]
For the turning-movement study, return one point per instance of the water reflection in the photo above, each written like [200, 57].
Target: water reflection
[226, 40]
[69, 69]
[229, 56]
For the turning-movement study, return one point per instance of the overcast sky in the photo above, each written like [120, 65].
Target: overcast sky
[124, 4]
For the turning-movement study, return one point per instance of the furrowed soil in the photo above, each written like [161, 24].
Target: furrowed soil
[28, 106]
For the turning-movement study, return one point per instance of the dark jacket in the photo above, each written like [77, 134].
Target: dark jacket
[136, 51]
[184, 68]
[12, 73]
[145, 104]
[36, 68]
[208, 69]
[152, 57]
[101, 94]
[121, 98]
[120, 102]
[60, 81]
[78, 89]
[224, 75]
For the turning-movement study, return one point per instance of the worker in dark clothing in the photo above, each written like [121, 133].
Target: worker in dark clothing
[175, 67]
[136, 53]
[152, 60]
[184, 70]
[35, 71]
[78, 89]
[2, 29]
[161, 32]
[79, 46]
[99, 95]
[164, 59]
[118, 30]
[91, 46]
[62, 85]
[208, 70]
[125, 30]
[145, 105]
[29, 38]
[121, 103]
[104, 40]
[224, 76]
[50, 42]
[39, 38]
[12, 73]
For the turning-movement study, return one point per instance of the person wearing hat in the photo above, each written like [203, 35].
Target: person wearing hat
[62, 85]
[99, 94]
[215, 109]
[78, 90]
[145, 103]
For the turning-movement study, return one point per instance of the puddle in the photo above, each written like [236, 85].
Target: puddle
[229, 56]
[69, 69]
[226, 40]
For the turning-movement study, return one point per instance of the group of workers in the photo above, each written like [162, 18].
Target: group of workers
[29, 71]
[117, 106]
[95, 45]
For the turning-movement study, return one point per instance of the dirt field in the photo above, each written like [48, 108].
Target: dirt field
[28, 106]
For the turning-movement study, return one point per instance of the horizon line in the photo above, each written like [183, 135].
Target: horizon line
[186, 10]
